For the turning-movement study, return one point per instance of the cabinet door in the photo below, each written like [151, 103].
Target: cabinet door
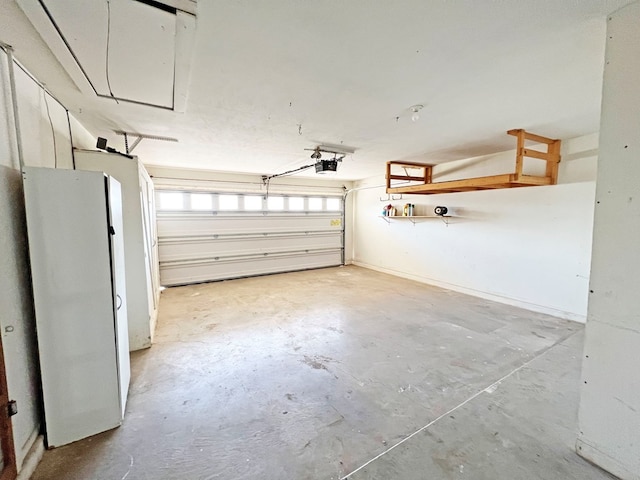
[67, 221]
[119, 290]
[148, 242]
[153, 224]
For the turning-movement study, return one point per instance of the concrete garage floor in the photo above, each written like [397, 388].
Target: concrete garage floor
[342, 372]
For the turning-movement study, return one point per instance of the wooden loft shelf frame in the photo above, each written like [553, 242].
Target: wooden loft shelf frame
[508, 180]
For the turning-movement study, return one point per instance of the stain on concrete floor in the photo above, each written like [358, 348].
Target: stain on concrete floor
[310, 375]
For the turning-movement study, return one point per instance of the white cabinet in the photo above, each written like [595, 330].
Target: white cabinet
[140, 239]
[74, 223]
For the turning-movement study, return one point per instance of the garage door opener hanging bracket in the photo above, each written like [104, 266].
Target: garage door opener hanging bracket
[138, 138]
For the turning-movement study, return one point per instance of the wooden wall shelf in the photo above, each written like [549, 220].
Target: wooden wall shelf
[423, 184]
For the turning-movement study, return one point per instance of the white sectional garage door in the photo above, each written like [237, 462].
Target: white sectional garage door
[205, 236]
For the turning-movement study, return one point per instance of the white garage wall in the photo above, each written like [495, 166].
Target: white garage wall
[528, 247]
[609, 415]
[16, 313]
[82, 138]
[35, 107]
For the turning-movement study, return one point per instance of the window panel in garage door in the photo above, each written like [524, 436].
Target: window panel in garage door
[216, 236]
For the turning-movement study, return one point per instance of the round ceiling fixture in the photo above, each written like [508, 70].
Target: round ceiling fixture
[415, 112]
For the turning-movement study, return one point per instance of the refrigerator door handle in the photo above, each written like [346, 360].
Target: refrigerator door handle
[119, 300]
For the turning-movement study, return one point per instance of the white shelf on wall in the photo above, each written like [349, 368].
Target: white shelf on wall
[415, 218]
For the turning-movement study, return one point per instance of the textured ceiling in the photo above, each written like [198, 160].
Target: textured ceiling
[270, 79]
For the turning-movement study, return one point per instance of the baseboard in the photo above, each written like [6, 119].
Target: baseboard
[604, 461]
[576, 317]
[31, 461]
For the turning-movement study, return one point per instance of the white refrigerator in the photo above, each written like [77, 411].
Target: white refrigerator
[74, 224]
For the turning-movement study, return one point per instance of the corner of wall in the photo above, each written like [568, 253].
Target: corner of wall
[528, 247]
